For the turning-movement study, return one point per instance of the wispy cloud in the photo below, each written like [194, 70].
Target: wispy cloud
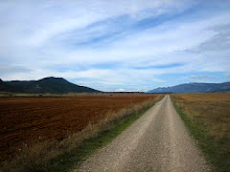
[201, 77]
[165, 66]
[117, 44]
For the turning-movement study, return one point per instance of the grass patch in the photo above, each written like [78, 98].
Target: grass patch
[208, 132]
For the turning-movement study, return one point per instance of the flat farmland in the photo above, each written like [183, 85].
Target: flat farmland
[212, 109]
[28, 120]
[208, 119]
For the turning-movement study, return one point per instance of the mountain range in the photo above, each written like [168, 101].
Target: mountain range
[194, 88]
[46, 85]
[55, 85]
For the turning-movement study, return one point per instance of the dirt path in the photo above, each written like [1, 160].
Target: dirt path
[158, 141]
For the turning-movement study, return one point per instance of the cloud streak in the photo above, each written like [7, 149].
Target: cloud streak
[131, 45]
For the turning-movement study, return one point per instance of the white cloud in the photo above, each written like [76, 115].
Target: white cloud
[37, 36]
[120, 90]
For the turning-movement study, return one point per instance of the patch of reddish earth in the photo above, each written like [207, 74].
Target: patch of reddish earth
[28, 120]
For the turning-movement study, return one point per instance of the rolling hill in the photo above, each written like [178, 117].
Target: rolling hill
[194, 88]
[46, 85]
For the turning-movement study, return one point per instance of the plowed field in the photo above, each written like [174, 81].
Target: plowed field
[27, 120]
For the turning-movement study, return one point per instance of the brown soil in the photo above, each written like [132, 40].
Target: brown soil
[28, 120]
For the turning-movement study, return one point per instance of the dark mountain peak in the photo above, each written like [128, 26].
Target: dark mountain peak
[46, 85]
[54, 80]
[1, 80]
[51, 78]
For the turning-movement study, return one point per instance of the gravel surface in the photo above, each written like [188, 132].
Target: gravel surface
[157, 141]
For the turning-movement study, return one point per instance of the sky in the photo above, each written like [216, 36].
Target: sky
[116, 45]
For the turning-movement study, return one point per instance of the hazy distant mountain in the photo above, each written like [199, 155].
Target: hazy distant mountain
[45, 85]
[194, 88]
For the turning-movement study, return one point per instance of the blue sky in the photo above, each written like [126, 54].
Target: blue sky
[116, 45]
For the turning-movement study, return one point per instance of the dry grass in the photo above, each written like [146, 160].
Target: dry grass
[210, 113]
[213, 109]
[40, 156]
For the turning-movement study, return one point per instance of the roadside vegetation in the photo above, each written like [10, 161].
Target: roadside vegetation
[207, 117]
[68, 153]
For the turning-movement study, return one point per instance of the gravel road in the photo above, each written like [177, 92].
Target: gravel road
[157, 141]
